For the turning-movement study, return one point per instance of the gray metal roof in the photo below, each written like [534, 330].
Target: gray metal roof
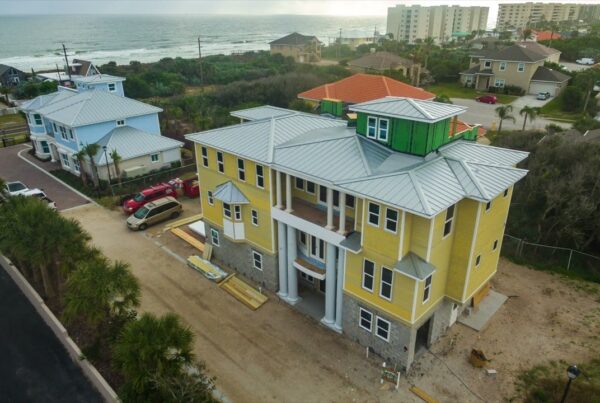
[89, 107]
[98, 79]
[352, 242]
[261, 112]
[131, 143]
[44, 100]
[409, 108]
[415, 267]
[229, 193]
[475, 152]
[294, 39]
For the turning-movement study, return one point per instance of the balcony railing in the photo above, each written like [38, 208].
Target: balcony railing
[318, 215]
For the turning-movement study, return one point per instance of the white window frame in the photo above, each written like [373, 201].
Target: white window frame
[220, 162]
[204, 152]
[71, 135]
[154, 158]
[369, 213]
[386, 130]
[113, 88]
[241, 169]
[65, 160]
[449, 220]
[260, 178]
[35, 119]
[214, 237]
[76, 166]
[63, 132]
[521, 67]
[302, 183]
[365, 275]
[47, 146]
[254, 216]
[257, 257]
[360, 317]
[389, 220]
[487, 64]
[237, 212]
[227, 210]
[307, 277]
[210, 198]
[379, 319]
[353, 198]
[382, 282]
[314, 186]
[499, 83]
[427, 288]
[120, 122]
[502, 66]
[374, 127]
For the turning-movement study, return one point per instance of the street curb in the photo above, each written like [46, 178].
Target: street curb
[56, 179]
[60, 332]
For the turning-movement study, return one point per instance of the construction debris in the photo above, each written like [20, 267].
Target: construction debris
[204, 266]
[183, 221]
[478, 359]
[426, 397]
[243, 292]
[196, 243]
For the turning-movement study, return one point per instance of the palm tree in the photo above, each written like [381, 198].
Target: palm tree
[529, 112]
[81, 159]
[91, 150]
[116, 160]
[149, 349]
[503, 113]
[443, 98]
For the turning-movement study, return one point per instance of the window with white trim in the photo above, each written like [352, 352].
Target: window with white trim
[227, 210]
[488, 206]
[38, 119]
[382, 129]
[365, 319]
[299, 183]
[372, 127]
[427, 289]
[214, 237]
[322, 194]
[204, 151]
[112, 87]
[387, 281]
[209, 196]
[368, 275]
[260, 176]
[254, 215]
[241, 169]
[499, 83]
[76, 166]
[257, 261]
[63, 133]
[220, 163]
[154, 157]
[121, 122]
[71, 136]
[502, 66]
[65, 160]
[391, 220]
[521, 67]
[55, 128]
[374, 214]
[382, 328]
[448, 221]
[237, 212]
[307, 277]
[350, 201]
[487, 64]
[310, 187]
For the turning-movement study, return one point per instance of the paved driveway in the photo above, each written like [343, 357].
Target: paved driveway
[485, 114]
[13, 168]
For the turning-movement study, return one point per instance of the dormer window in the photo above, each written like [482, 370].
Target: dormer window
[383, 130]
[372, 127]
[112, 87]
[120, 122]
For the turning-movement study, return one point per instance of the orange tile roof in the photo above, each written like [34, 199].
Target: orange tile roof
[462, 126]
[365, 87]
[546, 35]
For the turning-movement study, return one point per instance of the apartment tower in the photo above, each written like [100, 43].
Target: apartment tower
[522, 15]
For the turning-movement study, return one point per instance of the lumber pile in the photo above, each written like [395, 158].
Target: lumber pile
[182, 221]
[205, 267]
[243, 292]
[188, 238]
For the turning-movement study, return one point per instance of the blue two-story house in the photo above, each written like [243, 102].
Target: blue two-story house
[97, 111]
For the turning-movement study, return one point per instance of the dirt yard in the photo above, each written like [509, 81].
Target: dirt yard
[278, 354]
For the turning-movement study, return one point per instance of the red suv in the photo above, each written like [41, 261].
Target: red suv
[147, 195]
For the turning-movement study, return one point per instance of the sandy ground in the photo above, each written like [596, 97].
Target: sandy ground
[278, 354]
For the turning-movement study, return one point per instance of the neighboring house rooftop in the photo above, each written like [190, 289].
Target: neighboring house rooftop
[546, 35]
[131, 143]
[545, 74]
[380, 61]
[514, 53]
[84, 67]
[364, 87]
[538, 48]
[410, 109]
[294, 39]
[89, 107]
[4, 68]
[98, 79]
[261, 112]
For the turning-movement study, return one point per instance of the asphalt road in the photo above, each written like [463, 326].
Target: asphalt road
[13, 168]
[34, 366]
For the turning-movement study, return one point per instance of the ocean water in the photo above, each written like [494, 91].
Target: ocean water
[28, 42]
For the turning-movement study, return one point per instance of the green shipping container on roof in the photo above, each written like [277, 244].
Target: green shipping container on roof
[332, 106]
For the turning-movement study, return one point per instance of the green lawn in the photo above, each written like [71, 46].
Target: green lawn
[457, 90]
[11, 119]
[553, 110]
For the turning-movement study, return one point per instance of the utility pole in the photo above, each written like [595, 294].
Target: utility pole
[67, 61]
[339, 44]
[58, 72]
[200, 59]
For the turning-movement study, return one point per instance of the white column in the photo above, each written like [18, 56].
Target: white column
[282, 248]
[342, 226]
[292, 276]
[329, 318]
[329, 208]
[288, 193]
[278, 189]
[339, 300]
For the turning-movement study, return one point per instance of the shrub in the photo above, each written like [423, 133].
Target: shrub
[572, 99]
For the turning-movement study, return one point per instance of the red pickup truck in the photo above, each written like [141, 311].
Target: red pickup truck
[147, 195]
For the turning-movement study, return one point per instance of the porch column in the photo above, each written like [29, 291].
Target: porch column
[342, 226]
[329, 318]
[339, 300]
[288, 193]
[292, 275]
[282, 248]
[278, 189]
[329, 208]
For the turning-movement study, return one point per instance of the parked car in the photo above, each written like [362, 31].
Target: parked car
[15, 188]
[585, 60]
[542, 96]
[487, 99]
[147, 195]
[154, 212]
[40, 195]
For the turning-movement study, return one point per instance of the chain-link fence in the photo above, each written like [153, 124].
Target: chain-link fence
[128, 187]
[552, 258]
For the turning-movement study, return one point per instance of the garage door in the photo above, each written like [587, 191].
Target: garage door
[536, 87]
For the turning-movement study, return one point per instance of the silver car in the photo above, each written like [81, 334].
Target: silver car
[154, 212]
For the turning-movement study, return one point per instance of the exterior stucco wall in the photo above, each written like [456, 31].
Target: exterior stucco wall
[144, 162]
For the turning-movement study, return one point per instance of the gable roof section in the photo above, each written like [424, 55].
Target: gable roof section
[413, 266]
[131, 143]
[411, 109]
[294, 39]
[98, 79]
[483, 154]
[261, 112]
[546, 35]
[538, 48]
[89, 107]
[229, 193]
[44, 100]
[545, 74]
[380, 61]
[516, 53]
[364, 87]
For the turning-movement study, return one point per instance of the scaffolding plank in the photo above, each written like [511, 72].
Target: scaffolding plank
[243, 292]
[183, 221]
[423, 395]
[188, 238]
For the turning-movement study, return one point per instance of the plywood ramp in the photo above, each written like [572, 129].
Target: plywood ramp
[243, 292]
[188, 238]
[209, 270]
[183, 221]
[423, 395]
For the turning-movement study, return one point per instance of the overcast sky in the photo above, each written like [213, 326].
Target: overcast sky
[260, 7]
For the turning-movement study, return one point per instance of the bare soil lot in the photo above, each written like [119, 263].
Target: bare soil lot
[278, 354]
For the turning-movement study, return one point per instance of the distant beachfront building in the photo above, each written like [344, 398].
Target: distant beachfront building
[379, 62]
[523, 15]
[303, 48]
[9, 76]
[442, 23]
